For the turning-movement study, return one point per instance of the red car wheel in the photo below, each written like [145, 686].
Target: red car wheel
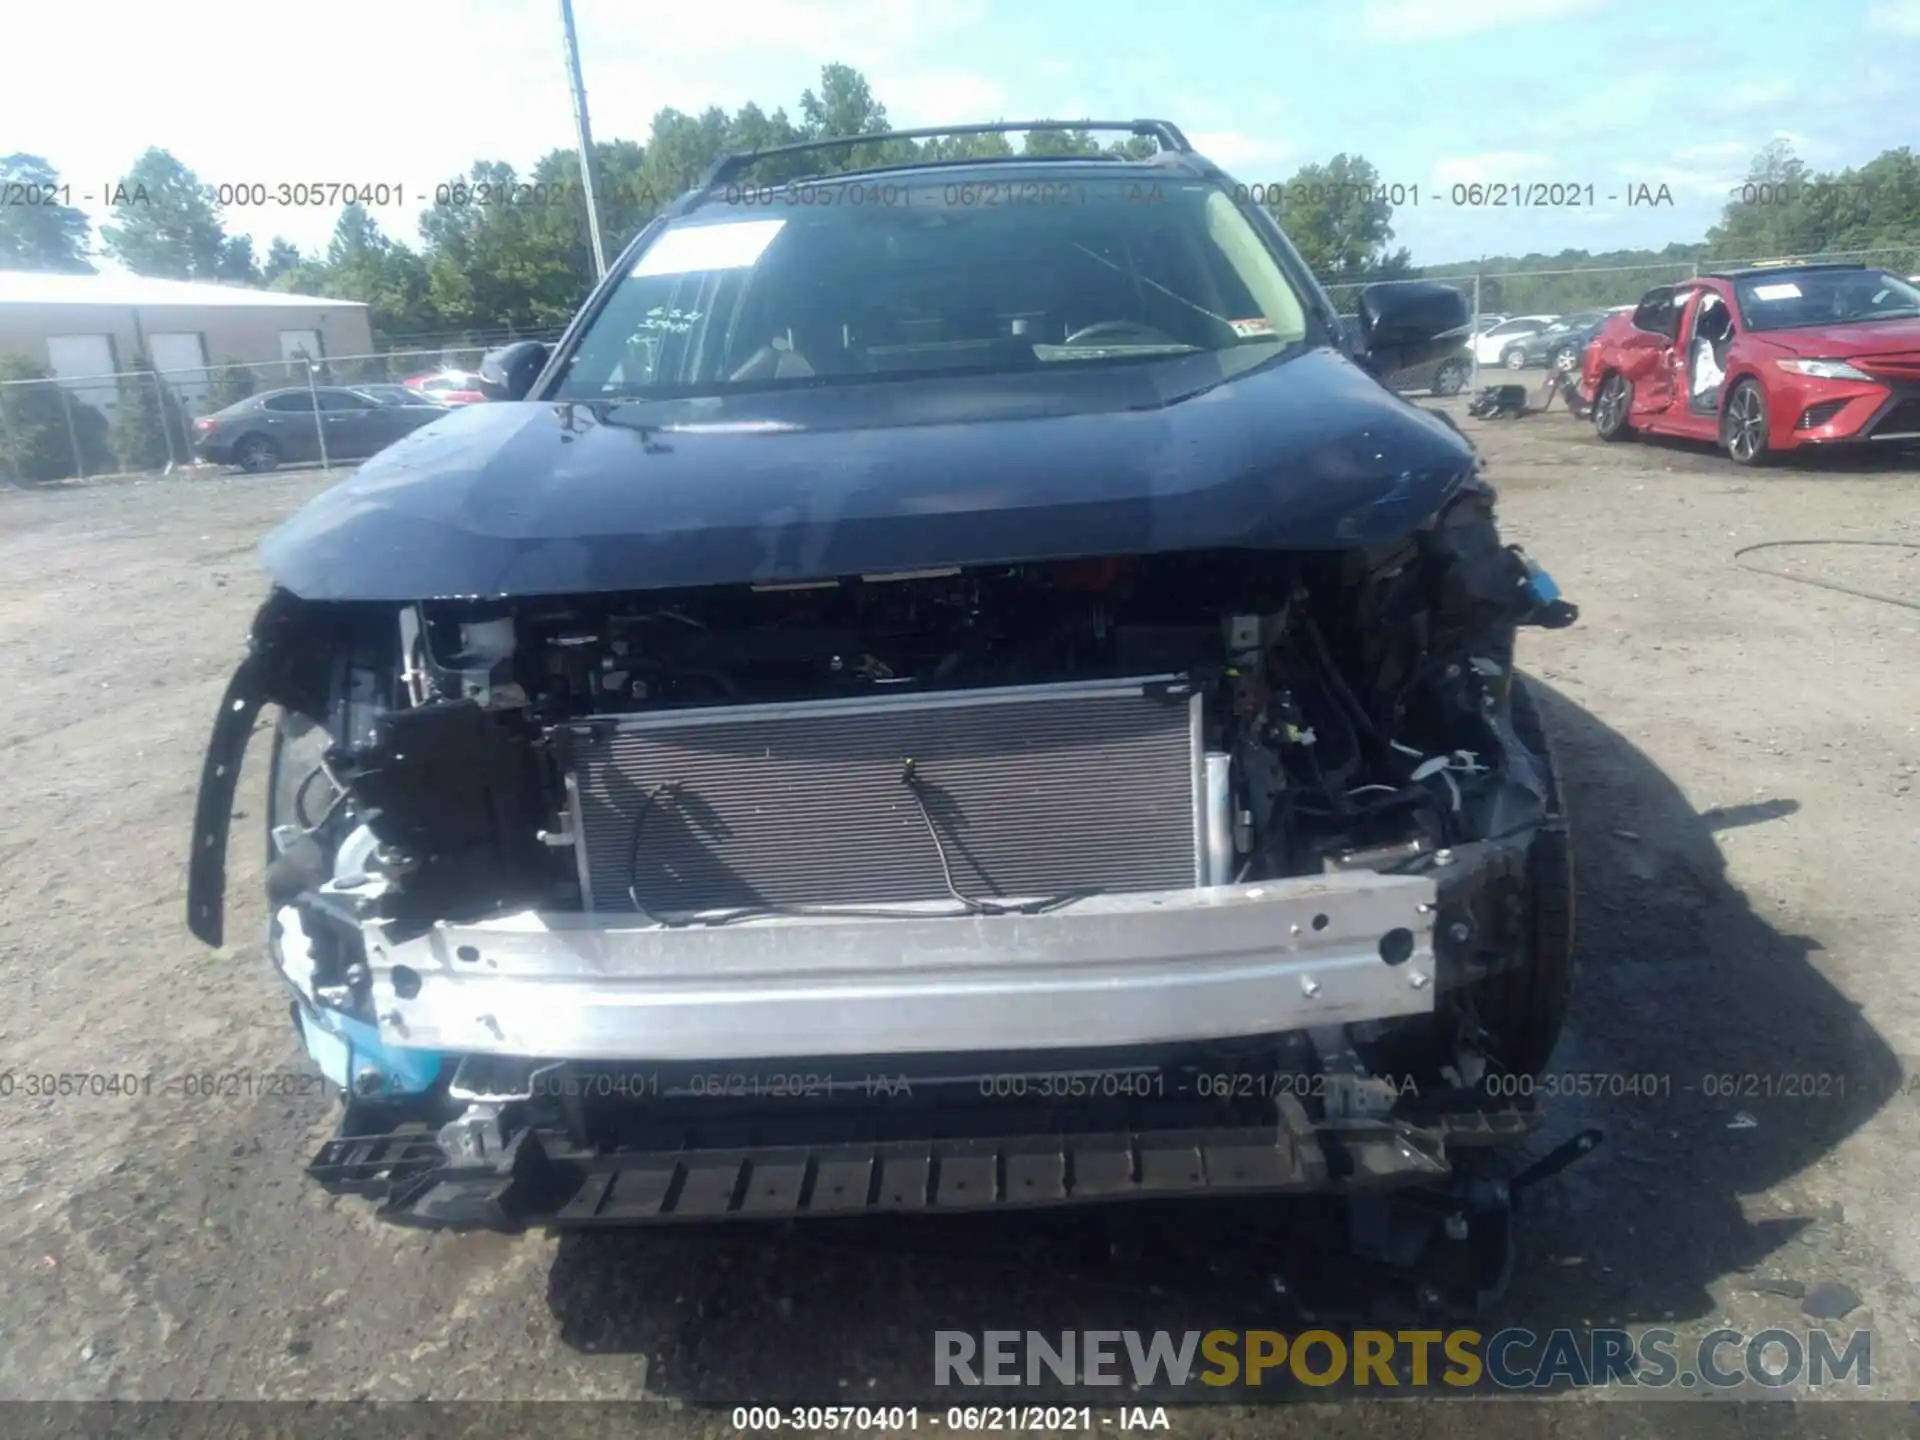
[1611, 407]
[1743, 424]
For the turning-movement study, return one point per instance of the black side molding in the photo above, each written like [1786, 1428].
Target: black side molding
[213, 813]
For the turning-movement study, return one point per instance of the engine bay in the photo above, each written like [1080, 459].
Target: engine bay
[1362, 695]
[1362, 698]
[1356, 710]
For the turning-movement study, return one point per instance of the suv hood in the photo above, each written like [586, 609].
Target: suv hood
[550, 498]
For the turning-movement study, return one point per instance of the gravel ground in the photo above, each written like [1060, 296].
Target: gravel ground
[1741, 754]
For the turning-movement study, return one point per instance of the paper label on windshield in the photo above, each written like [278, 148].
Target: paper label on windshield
[1260, 325]
[698, 248]
[1776, 292]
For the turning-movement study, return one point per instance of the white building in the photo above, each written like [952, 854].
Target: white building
[82, 327]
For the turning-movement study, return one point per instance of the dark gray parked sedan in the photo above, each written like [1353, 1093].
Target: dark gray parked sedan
[399, 395]
[279, 427]
[1444, 374]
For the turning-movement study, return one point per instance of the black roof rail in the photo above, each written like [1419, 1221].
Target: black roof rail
[1165, 132]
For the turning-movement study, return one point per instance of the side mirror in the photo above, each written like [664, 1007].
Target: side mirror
[509, 372]
[1409, 324]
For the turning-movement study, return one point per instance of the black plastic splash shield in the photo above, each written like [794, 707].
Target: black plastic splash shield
[543, 1179]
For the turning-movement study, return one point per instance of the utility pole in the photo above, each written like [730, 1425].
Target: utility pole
[586, 139]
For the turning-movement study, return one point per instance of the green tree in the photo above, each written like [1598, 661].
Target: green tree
[493, 267]
[1766, 214]
[1060, 142]
[149, 428]
[482, 271]
[228, 385]
[37, 236]
[557, 226]
[845, 105]
[966, 147]
[1339, 221]
[1569, 279]
[282, 256]
[1785, 209]
[236, 263]
[42, 427]
[363, 264]
[751, 128]
[307, 278]
[164, 224]
[679, 149]
[619, 190]
[497, 267]
[35, 446]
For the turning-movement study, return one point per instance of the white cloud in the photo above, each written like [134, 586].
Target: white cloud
[862, 33]
[1701, 172]
[1730, 151]
[1235, 150]
[1635, 100]
[1750, 95]
[495, 87]
[1480, 169]
[1717, 185]
[922, 98]
[1408, 20]
[677, 56]
[1814, 151]
[1897, 17]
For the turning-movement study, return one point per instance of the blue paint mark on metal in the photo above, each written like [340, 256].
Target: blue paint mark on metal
[352, 1055]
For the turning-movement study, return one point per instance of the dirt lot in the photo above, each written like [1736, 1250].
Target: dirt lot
[1742, 754]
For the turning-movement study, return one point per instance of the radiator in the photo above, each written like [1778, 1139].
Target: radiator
[1033, 791]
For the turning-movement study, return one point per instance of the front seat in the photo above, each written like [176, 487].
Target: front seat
[797, 352]
[1710, 339]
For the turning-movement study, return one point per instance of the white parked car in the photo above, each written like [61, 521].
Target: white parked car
[1490, 344]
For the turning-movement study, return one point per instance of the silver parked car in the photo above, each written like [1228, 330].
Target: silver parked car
[280, 427]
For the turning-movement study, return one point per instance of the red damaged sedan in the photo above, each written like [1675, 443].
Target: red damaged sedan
[449, 387]
[1763, 361]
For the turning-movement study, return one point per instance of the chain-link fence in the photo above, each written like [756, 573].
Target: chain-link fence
[1596, 287]
[311, 411]
[146, 422]
[1601, 287]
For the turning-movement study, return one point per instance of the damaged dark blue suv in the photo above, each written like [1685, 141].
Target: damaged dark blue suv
[951, 686]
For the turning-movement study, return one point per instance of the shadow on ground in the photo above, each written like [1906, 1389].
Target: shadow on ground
[1861, 459]
[1681, 983]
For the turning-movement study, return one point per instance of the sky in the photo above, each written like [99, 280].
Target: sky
[1612, 94]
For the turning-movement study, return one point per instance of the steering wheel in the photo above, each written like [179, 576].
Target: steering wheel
[1121, 332]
